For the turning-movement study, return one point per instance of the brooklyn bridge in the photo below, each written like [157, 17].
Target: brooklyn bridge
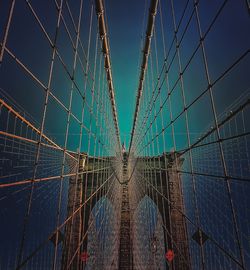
[125, 134]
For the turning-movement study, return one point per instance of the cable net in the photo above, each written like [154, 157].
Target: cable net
[59, 144]
[189, 148]
[70, 196]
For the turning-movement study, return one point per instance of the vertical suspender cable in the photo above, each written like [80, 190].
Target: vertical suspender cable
[146, 51]
[107, 63]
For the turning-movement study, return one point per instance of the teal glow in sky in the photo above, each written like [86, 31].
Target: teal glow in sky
[125, 20]
[226, 41]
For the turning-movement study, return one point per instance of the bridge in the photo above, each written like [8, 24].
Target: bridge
[76, 190]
